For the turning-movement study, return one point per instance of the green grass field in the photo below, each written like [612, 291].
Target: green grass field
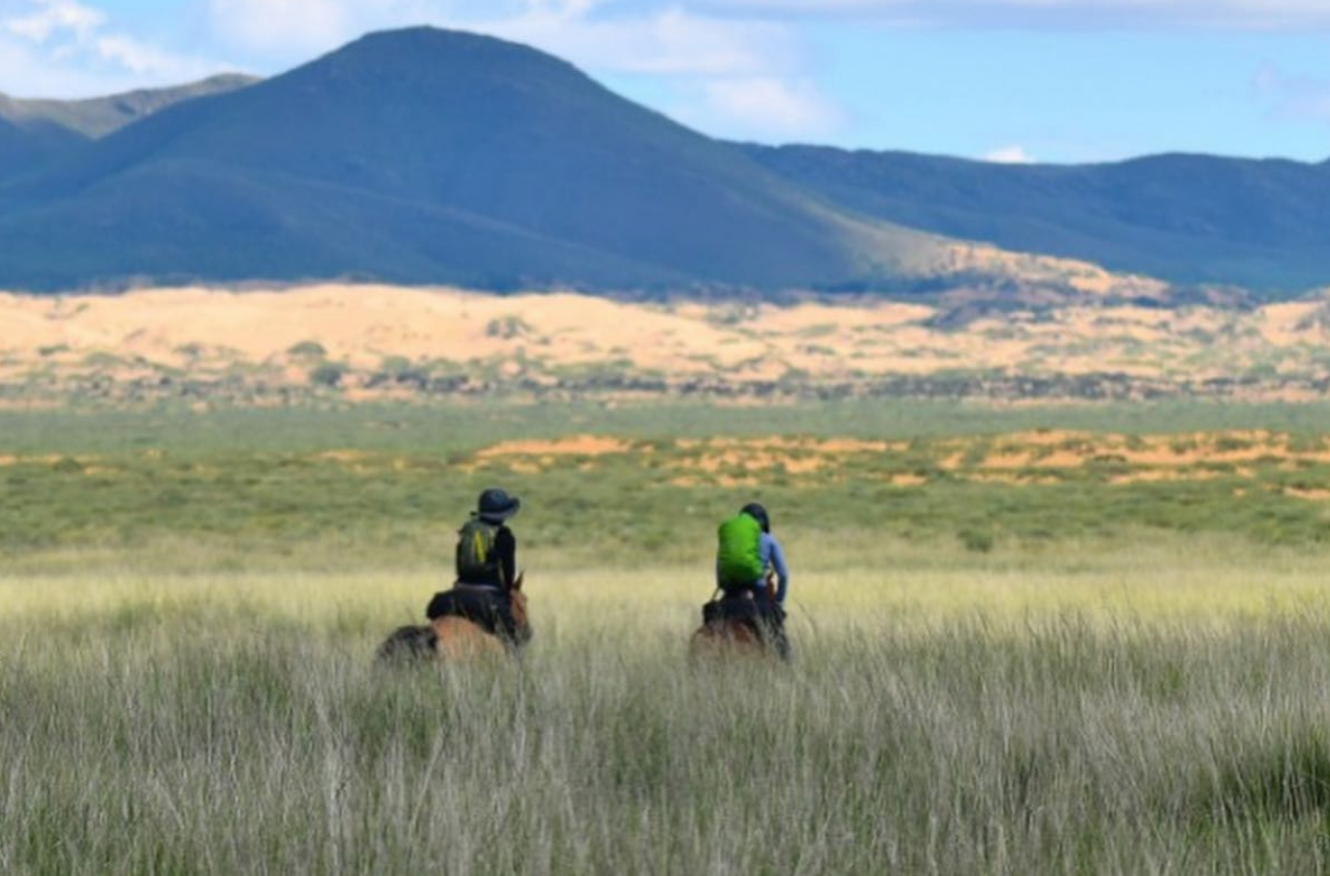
[1077, 676]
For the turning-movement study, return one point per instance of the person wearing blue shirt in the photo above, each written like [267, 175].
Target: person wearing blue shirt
[773, 562]
[773, 559]
[775, 571]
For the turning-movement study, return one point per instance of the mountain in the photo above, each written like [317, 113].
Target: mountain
[22, 150]
[425, 156]
[35, 133]
[429, 156]
[1185, 218]
[17, 148]
[96, 117]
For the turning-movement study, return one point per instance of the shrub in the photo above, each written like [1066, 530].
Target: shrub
[328, 374]
[308, 349]
[507, 327]
[975, 540]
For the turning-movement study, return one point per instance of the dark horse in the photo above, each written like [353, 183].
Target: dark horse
[459, 634]
[747, 625]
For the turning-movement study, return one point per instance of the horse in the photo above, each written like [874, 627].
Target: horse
[736, 633]
[457, 638]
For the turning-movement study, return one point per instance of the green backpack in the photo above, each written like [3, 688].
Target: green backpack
[739, 555]
[477, 553]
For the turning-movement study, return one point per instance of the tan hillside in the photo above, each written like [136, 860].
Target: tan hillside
[372, 341]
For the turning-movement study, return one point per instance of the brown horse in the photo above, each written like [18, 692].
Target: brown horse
[722, 636]
[458, 638]
[727, 638]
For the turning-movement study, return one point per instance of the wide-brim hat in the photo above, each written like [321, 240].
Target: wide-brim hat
[497, 505]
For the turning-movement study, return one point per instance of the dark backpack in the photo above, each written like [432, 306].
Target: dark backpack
[478, 554]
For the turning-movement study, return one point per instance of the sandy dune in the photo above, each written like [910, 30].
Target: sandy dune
[279, 337]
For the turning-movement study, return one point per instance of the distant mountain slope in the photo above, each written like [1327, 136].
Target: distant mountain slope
[1184, 218]
[23, 150]
[97, 117]
[16, 148]
[432, 156]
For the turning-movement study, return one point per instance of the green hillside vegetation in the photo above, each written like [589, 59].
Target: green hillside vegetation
[97, 117]
[1184, 218]
[24, 150]
[430, 156]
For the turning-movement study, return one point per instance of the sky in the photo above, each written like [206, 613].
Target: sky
[1065, 81]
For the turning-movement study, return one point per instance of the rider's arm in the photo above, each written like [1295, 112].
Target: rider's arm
[782, 570]
[506, 544]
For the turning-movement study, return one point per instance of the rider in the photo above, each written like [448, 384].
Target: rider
[486, 547]
[746, 560]
[486, 565]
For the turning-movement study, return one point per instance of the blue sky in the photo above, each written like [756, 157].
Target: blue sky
[1046, 80]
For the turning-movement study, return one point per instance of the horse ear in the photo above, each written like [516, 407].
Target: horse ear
[517, 585]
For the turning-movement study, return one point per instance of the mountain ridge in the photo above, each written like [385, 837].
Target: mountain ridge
[95, 117]
[424, 156]
[1186, 218]
[466, 135]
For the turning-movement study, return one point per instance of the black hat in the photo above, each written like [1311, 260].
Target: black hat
[758, 513]
[497, 505]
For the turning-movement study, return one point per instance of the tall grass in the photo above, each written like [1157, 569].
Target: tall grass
[1151, 711]
[989, 678]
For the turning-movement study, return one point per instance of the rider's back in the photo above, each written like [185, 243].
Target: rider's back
[739, 552]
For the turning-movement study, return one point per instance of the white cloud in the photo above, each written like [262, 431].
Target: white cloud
[52, 18]
[283, 26]
[603, 35]
[1300, 98]
[61, 48]
[1137, 14]
[670, 42]
[145, 60]
[729, 77]
[1010, 155]
[762, 107]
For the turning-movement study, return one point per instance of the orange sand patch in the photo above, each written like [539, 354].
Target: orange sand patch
[346, 457]
[951, 461]
[1046, 438]
[1157, 476]
[1280, 322]
[1016, 480]
[846, 445]
[807, 465]
[1309, 495]
[833, 446]
[1173, 451]
[577, 445]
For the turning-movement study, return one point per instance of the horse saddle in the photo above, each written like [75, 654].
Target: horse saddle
[755, 612]
[485, 607]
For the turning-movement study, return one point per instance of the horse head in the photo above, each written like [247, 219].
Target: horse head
[518, 600]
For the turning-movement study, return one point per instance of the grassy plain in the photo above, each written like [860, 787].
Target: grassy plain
[1011, 659]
